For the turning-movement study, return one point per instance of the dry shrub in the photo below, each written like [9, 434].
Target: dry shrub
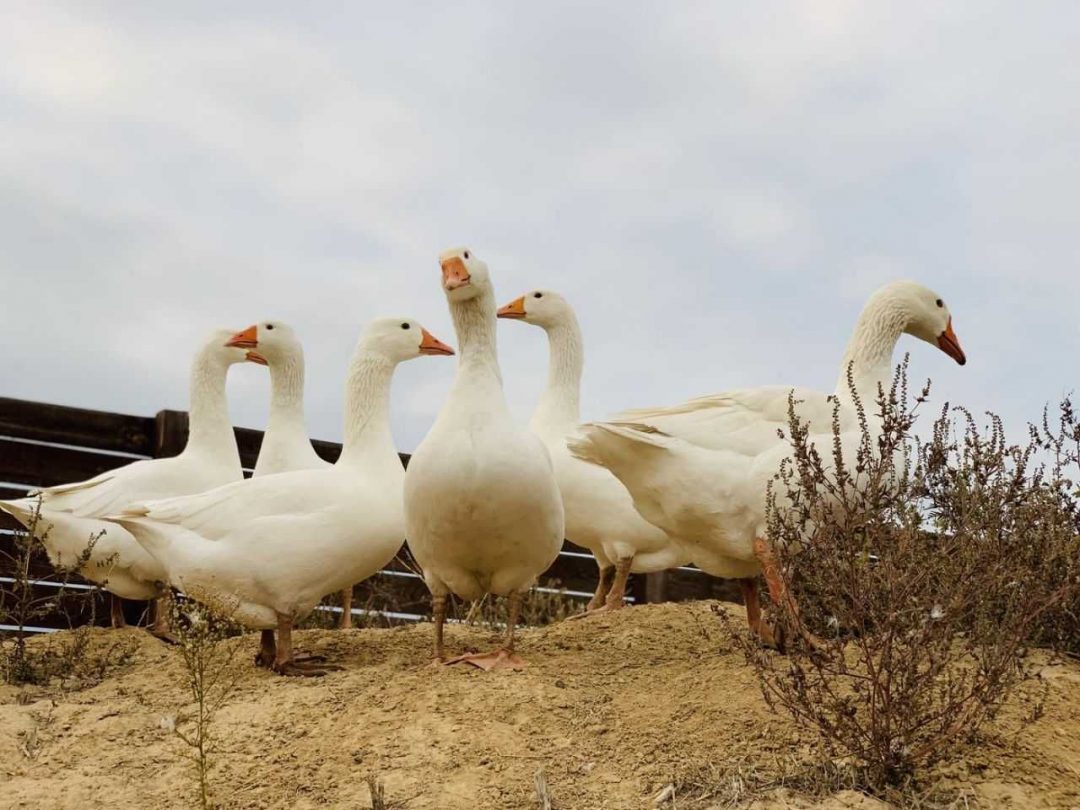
[923, 567]
[1060, 440]
[37, 594]
[212, 669]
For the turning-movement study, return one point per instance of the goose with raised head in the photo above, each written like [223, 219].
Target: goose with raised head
[72, 512]
[286, 446]
[482, 508]
[266, 550]
[600, 514]
[700, 470]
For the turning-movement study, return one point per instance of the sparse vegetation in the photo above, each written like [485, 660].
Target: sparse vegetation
[212, 668]
[39, 590]
[922, 567]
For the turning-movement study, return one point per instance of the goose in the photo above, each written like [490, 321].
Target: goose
[700, 470]
[73, 512]
[266, 550]
[600, 513]
[285, 445]
[482, 509]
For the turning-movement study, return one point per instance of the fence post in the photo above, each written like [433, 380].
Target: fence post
[649, 587]
[170, 433]
[656, 587]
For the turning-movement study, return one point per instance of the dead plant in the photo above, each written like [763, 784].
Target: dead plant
[212, 669]
[39, 592]
[920, 565]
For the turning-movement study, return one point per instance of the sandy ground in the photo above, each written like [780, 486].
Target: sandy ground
[614, 709]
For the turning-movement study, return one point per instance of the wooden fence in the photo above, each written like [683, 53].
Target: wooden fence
[43, 444]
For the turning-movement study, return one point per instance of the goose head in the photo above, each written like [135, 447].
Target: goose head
[400, 339]
[217, 348]
[268, 343]
[928, 318]
[542, 308]
[464, 276]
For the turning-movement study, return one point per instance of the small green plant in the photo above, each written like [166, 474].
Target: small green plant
[212, 669]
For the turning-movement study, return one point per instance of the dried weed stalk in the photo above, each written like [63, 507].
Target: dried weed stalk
[37, 593]
[923, 567]
[212, 669]
[1060, 440]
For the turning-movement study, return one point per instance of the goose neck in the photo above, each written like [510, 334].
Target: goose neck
[287, 397]
[560, 402]
[869, 351]
[367, 409]
[474, 324]
[210, 430]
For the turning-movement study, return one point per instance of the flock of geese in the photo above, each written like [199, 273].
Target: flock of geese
[485, 503]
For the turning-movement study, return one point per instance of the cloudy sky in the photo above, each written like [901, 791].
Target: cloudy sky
[716, 186]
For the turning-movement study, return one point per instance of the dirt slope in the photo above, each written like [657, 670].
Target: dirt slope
[614, 709]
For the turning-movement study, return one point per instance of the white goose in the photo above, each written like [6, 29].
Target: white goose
[700, 470]
[73, 512]
[285, 445]
[482, 507]
[267, 549]
[600, 513]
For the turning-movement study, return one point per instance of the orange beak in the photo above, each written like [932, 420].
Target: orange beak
[949, 343]
[515, 309]
[454, 273]
[254, 357]
[248, 339]
[429, 344]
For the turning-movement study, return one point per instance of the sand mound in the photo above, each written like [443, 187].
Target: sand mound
[613, 709]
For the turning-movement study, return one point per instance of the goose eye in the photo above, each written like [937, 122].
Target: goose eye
[940, 303]
[404, 326]
[465, 254]
[269, 326]
[538, 295]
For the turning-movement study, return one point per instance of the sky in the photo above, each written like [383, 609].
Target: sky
[716, 186]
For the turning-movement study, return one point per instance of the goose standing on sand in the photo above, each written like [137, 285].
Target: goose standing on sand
[482, 508]
[73, 512]
[700, 470]
[286, 446]
[266, 550]
[600, 513]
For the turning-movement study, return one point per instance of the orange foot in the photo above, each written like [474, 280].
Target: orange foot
[296, 669]
[595, 612]
[164, 635]
[499, 659]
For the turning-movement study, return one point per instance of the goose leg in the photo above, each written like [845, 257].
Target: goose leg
[504, 657]
[613, 600]
[267, 650]
[160, 626]
[779, 594]
[615, 596]
[285, 663]
[116, 612]
[603, 585]
[346, 610]
[758, 626]
[438, 616]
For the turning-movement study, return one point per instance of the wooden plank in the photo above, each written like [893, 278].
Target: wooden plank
[8, 522]
[70, 608]
[81, 427]
[12, 493]
[170, 433]
[684, 586]
[43, 465]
